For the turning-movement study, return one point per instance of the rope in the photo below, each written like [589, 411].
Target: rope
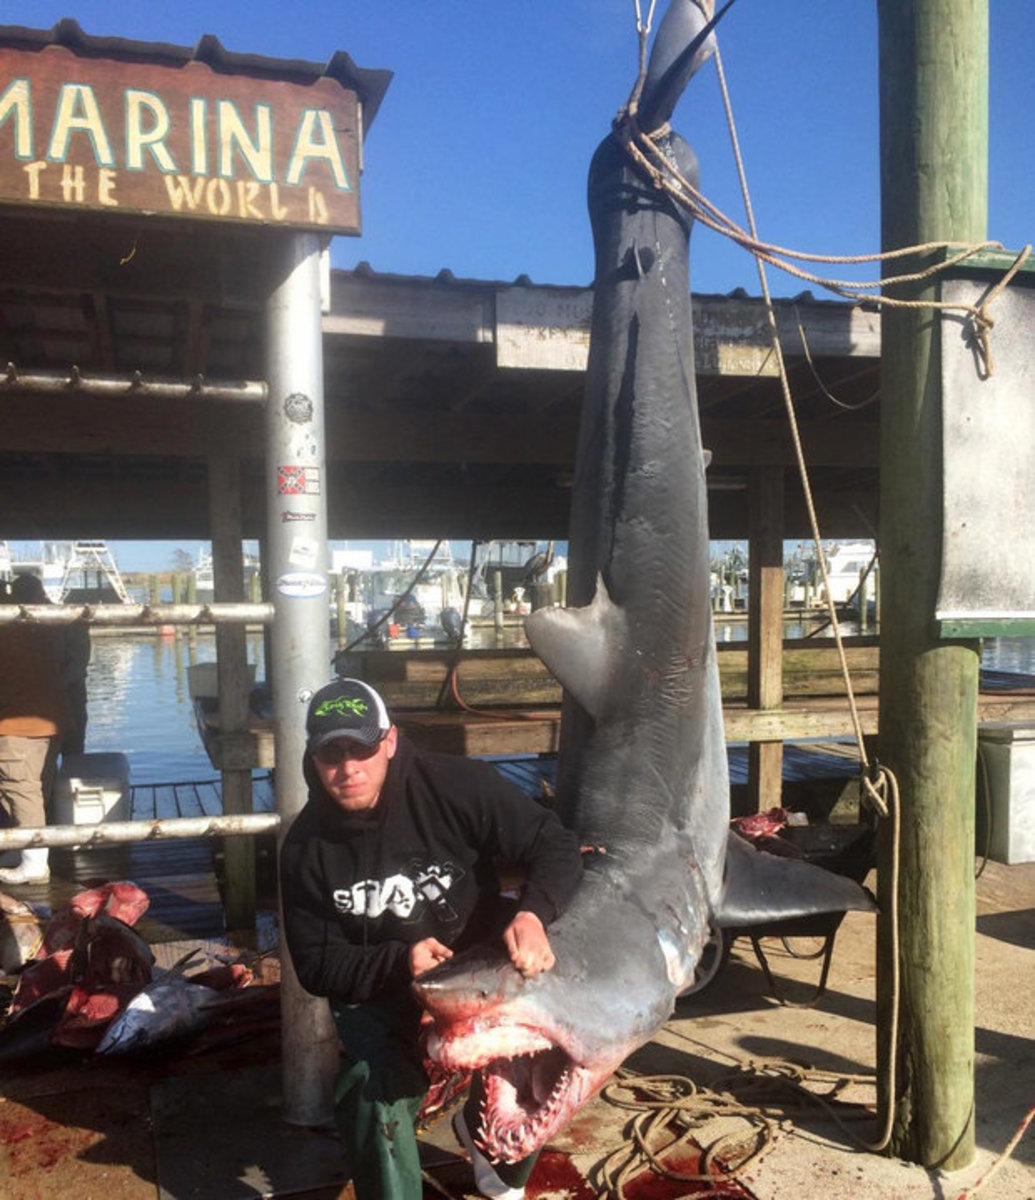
[643, 148]
[799, 452]
[670, 1112]
[879, 784]
[451, 683]
[824, 390]
[1011, 1146]
[458, 649]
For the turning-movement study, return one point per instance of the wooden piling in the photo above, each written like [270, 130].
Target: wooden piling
[233, 686]
[765, 627]
[934, 114]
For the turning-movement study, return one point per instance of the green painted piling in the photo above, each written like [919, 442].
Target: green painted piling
[934, 119]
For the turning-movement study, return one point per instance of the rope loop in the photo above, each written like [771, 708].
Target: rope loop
[642, 148]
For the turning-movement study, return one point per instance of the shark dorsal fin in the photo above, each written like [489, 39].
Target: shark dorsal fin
[579, 645]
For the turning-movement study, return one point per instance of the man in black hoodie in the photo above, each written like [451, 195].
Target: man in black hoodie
[389, 868]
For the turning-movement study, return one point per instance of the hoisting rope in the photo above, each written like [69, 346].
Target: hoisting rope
[642, 146]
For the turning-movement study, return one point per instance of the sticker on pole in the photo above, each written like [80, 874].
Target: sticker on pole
[304, 553]
[302, 584]
[298, 481]
[298, 408]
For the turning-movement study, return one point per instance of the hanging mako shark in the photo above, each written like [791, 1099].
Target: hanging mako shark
[643, 771]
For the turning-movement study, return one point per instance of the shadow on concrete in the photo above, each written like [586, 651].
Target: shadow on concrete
[1018, 927]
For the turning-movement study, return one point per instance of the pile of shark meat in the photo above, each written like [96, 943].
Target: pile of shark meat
[85, 980]
[642, 769]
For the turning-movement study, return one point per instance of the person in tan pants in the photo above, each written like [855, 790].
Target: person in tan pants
[33, 714]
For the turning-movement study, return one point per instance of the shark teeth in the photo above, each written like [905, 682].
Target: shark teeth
[478, 1045]
[526, 1100]
[532, 1086]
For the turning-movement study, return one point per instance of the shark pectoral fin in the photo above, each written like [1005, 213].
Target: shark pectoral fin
[761, 887]
[580, 646]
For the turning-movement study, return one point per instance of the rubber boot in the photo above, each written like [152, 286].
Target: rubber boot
[33, 868]
[504, 1181]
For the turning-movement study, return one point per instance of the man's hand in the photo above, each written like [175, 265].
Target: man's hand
[427, 954]
[528, 945]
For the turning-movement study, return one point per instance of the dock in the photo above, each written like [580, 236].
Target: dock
[505, 702]
[207, 1125]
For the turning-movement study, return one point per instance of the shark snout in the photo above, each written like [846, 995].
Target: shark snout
[468, 982]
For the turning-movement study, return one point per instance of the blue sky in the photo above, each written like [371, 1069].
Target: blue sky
[476, 162]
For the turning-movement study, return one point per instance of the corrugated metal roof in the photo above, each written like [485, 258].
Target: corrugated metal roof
[369, 85]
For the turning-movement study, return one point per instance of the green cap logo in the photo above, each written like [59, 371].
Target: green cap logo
[342, 705]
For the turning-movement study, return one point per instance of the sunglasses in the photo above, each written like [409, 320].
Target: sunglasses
[334, 753]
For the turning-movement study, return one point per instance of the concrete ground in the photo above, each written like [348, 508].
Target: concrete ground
[737, 1020]
[208, 1128]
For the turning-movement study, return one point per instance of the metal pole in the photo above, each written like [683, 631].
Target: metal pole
[119, 832]
[15, 382]
[300, 636]
[934, 150]
[137, 614]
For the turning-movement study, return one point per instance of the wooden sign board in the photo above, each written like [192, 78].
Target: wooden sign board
[988, 538]
[96, 134]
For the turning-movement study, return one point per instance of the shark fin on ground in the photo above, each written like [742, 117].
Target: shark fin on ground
[579, 645]
[761, 887]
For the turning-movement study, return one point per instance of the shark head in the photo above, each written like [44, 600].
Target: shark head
[535, 1074]
[545, 1044]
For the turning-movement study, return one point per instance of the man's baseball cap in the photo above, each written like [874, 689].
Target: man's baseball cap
[347, 708]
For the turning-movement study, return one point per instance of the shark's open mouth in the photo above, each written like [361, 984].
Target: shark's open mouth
[532, 1087]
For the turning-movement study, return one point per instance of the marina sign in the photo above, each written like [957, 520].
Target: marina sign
[89, 133]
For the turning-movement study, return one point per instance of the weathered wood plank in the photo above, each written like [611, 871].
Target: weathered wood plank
[814, 705]
[815, 717]
[414, 679]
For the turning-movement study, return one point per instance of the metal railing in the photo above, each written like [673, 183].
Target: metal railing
[24, 837]
[137, 614]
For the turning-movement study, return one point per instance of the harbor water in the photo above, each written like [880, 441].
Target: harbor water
[139, 703]
[139, 696]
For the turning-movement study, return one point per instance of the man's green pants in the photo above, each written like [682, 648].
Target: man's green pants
[378, 1095]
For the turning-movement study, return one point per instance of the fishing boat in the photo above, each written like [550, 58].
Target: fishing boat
[46, 560]
[79, 572]
[91, 576]
[204, 578]
[411, 593]
[516, 564]
[846, 564]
